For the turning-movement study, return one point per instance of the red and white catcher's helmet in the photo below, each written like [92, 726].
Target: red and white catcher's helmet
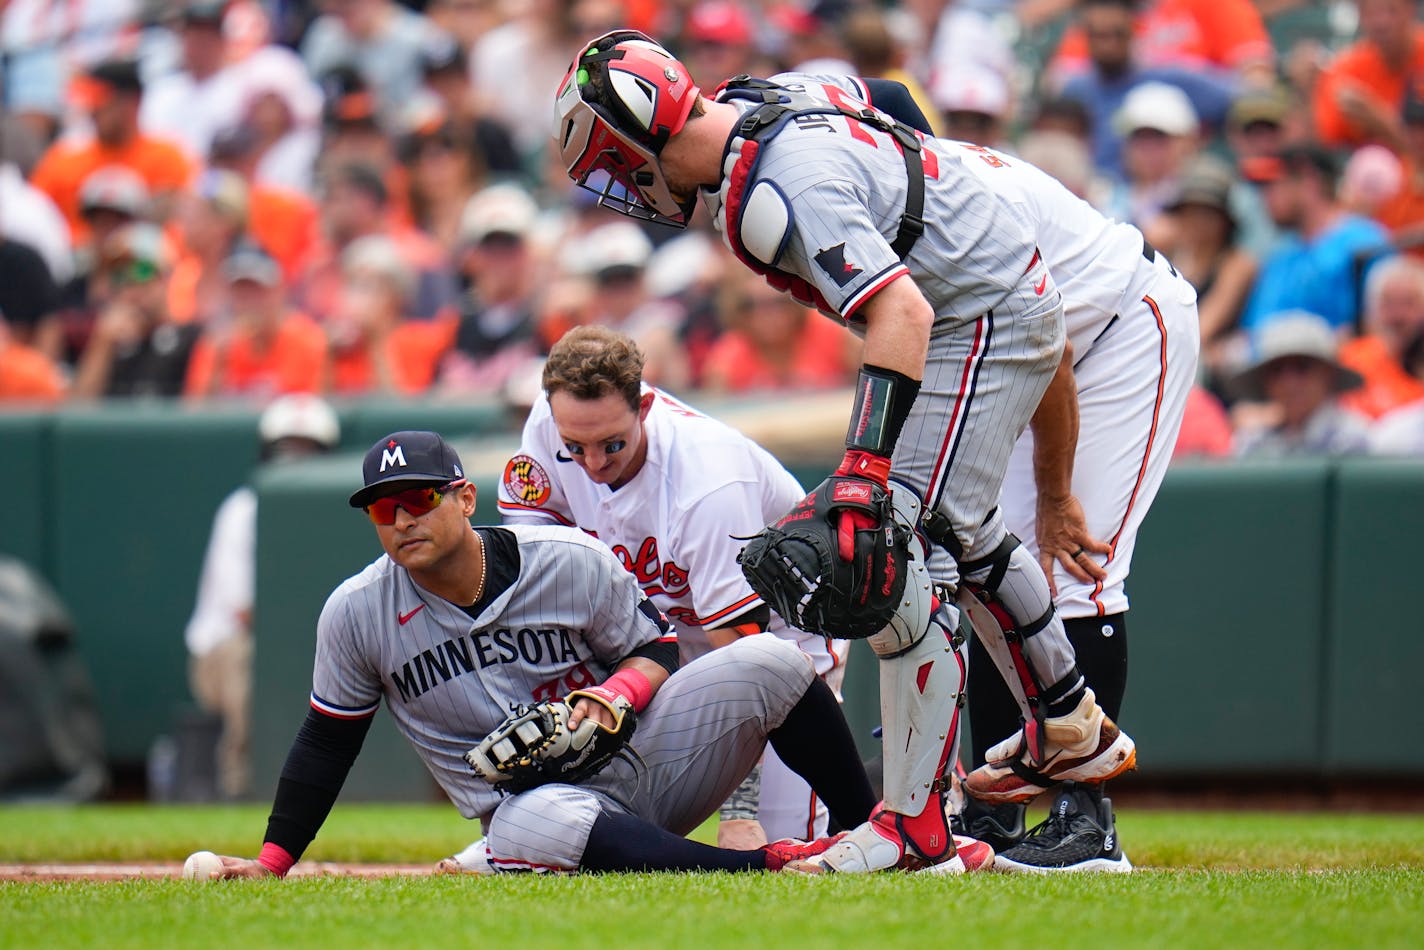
[622, 99]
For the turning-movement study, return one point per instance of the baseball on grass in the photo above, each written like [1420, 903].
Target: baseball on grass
[200, 866]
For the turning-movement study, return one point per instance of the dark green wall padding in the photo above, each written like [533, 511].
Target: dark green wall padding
[1275, 627]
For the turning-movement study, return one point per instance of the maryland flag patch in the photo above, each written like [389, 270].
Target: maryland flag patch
[526, 481]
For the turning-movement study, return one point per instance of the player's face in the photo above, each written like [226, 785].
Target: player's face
[602, 436]
[424, 532]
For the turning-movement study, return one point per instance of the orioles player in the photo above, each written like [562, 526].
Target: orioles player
[835, 202]
[454, 624]
[670, 491]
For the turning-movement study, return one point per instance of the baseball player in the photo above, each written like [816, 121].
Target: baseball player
[1131, 356]
[842, 206]
[670, 491]
[455, 624]
[1133, 341]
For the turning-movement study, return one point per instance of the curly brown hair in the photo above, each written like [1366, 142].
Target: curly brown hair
[590, 362]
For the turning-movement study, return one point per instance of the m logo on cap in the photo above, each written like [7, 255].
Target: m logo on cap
[393, 455]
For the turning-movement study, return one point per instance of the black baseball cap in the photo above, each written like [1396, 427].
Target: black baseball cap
[417, 457]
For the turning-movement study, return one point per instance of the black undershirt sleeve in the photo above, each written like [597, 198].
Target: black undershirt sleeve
[661, 652]
[316, 768]
[759, 615]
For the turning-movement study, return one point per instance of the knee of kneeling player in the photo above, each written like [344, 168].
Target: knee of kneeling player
[792, 666]
[543, 829]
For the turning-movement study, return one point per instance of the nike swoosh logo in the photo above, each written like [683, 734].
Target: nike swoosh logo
[403, 619]
[1038, 287]
[561, 457]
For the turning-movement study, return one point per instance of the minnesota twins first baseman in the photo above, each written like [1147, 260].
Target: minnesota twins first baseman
[847, 209]
[670, 491]
[454, 624]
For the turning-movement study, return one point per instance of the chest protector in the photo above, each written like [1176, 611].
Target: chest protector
[756, 222]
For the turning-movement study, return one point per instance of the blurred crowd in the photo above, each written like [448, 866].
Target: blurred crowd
[238, 199]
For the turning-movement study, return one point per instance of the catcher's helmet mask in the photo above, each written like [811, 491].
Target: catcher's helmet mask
[621, 101]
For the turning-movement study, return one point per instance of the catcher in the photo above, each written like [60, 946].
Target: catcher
[542, 691]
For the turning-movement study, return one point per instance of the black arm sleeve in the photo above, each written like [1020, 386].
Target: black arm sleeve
[892, 97]
[316, 768]
[661, 652]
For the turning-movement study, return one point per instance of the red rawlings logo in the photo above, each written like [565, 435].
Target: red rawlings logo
[851, 491]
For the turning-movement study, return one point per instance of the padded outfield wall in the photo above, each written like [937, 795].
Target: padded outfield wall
[1274, 629]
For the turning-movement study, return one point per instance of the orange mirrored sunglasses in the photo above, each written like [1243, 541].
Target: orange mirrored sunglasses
[415, 501]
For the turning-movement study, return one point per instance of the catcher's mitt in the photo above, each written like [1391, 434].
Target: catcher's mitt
[836, 563]
[534, 745]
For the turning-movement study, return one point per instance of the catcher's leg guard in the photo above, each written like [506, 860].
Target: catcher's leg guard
[920, 700]
[1006, 598]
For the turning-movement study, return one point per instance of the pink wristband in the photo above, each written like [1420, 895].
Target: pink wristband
[633, 684]
[275, 858]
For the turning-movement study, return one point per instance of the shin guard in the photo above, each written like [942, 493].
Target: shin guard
[995, 629]
[921, 694]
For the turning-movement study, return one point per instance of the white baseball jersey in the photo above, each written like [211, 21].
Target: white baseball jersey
[571, 615]
[1132, 322]
[678, 525]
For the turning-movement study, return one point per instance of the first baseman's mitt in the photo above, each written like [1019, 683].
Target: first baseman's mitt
[534, 745]
[836, 563]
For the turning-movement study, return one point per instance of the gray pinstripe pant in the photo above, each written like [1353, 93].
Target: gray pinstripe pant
[698, 739]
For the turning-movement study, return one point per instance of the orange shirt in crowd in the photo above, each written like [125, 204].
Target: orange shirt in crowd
[1192, 33]
[183, 288]
[820, 361]
[27, 375]
[1387, 385]
[1361, 65]
[413, 350]
[285, 223]
[62, 170]
[294, 362]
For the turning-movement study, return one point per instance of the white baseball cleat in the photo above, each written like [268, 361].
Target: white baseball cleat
[970, 855]
[878, 846]
[1081, 746]
[473, 860]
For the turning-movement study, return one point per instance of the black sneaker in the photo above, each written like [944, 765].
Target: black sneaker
[999, 826]
[1078, 835]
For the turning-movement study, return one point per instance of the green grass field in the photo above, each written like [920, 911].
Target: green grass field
[1208, 879]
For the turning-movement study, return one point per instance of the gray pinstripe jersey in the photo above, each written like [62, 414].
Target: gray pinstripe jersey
[1094, 259]
[570, 616]
[846, 184]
